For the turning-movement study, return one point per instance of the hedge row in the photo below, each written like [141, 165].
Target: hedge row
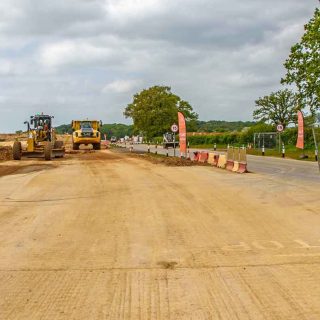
[288, 137]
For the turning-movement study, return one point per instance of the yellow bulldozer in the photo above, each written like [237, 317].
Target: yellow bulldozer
[86, 132]
[42, 141]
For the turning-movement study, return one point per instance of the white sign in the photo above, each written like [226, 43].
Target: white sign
[279, 127]
[174, 128]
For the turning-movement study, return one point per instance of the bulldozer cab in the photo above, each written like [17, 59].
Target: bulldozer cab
[40, 122]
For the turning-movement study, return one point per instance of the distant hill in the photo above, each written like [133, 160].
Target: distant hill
[115, 129]
[120, 130]
[222, 126]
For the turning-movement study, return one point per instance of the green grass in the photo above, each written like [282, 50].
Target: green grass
[208, 146]
[291, 152]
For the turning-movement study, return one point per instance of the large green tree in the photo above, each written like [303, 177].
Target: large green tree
[154, 110]
[303, 65]
[278, 108]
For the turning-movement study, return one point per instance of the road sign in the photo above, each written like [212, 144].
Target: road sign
[279, 127]
[174, 128]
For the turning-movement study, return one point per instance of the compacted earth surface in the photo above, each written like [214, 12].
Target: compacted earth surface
[108, 235]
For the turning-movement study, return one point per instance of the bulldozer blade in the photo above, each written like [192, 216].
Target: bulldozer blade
[33, 154]
[58, 153]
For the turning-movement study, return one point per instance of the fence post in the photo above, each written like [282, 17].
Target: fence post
[316, 147]
[156, 152]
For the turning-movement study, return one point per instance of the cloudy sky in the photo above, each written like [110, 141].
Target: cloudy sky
[86, 58]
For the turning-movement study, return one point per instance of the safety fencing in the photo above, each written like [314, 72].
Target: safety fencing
[235, 160]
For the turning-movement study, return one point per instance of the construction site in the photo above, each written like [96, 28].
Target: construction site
[114, 234]
[159, 160]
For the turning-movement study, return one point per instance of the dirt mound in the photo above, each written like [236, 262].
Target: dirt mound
[5, 153]
[12, 136]
[167, 161]
[159, 158]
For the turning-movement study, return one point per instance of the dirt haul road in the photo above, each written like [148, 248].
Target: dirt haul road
[109, 236]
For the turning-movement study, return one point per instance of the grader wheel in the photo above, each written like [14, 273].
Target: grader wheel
[75, 146]
[17, 150]
[48, 151]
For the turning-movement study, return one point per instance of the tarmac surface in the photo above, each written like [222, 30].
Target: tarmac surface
[270, 166]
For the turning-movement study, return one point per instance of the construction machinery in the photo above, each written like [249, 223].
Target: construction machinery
[86, 132]
[42, 141]
[169, 140]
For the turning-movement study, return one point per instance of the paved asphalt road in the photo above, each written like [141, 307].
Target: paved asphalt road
[286, 168]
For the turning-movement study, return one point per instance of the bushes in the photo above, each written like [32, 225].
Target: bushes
[289, 137]
[226, 138]
[243, 137]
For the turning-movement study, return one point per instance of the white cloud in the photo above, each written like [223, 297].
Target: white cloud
[124, 9]
[76, 57]
[121, 86]
[72, 53]
[6, 67]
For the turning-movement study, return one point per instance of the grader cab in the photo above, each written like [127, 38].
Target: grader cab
[42, 141]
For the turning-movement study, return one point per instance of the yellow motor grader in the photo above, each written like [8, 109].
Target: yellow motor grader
[42, 141]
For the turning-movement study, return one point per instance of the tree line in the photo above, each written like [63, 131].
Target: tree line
[120, 130]
[302, 79]
[155, 109]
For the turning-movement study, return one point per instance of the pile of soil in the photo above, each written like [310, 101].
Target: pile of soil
[159, 158]
[12, 136]
[168, 161]
[5, 153]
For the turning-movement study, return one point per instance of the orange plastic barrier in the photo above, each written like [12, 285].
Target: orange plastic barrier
[242, 167]
[196, 156]
[230, 164]
[203, 157]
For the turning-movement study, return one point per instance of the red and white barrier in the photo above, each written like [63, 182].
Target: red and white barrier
[242, 167]
[229, 165]
[203, 157]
